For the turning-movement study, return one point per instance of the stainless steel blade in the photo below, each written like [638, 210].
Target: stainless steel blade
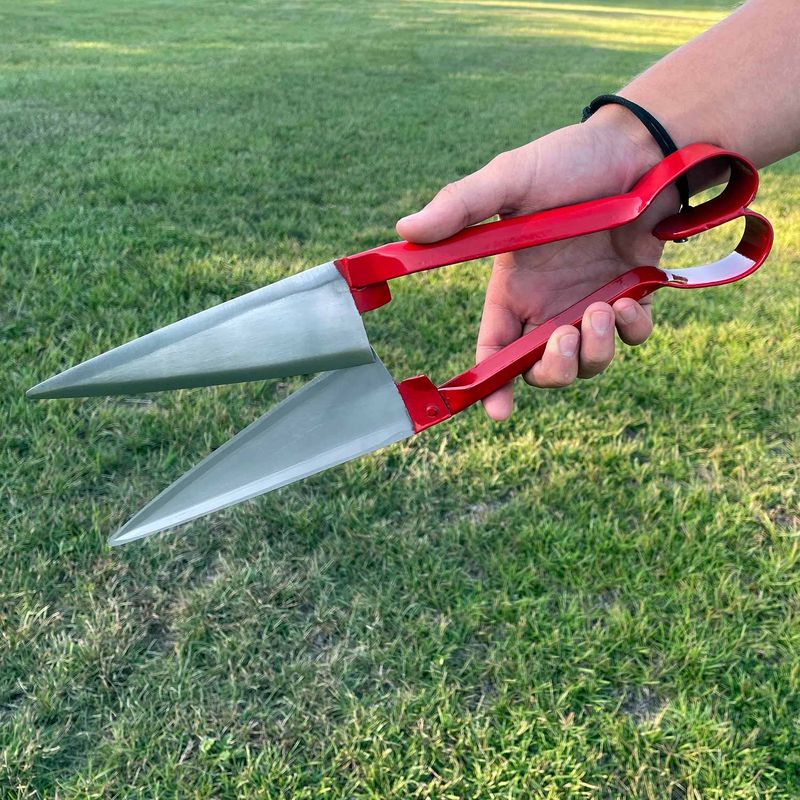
[305, 323]
[334, 418]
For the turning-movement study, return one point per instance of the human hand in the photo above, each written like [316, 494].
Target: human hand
[604, 156]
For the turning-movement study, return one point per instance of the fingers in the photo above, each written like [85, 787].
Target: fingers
[597, 340]
[570, 354]
[500, 404]
[634, 320]
[559, 364]
[499, 327]
[500, 184]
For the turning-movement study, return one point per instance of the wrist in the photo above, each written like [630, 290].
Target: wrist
[633, 149]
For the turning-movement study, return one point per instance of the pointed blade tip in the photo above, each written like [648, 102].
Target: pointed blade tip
[41, 390]
[51, 388]
[42, 393]
[142, 526]
[125, 534]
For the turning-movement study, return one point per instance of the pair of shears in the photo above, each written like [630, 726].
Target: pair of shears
[312, 322]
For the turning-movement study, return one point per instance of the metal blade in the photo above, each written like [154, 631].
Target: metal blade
[336, 417]
[305, 323]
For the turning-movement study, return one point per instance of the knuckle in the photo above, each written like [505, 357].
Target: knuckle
[452, 189]
[549, 376]
[560, 380]
[502, 161]
[591, 370]
[635, 338]
[594, 364]
[454, 193]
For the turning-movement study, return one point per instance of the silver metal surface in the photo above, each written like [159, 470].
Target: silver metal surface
[334, 418]
[725, 268]
[305, 323]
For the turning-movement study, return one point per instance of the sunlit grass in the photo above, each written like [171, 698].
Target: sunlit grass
[702, 17]
[607, 27]
[596, 599]
[107, 47]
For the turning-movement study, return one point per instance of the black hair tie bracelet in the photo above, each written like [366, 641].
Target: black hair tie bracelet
[656, 129]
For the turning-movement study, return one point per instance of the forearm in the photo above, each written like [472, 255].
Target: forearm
[736, 86]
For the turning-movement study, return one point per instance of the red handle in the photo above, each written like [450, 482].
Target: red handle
[396, 259]
[518, 357]
[428, 405]
[366, 273]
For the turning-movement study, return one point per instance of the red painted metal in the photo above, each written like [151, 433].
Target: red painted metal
[749, 255]
[428, 405]
[425, 404]
[366, 273]
[370, 297]
[516, 358]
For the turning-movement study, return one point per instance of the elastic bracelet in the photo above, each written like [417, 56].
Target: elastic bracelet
[655, 128]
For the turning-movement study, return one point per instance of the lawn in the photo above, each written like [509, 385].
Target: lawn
[599, 598]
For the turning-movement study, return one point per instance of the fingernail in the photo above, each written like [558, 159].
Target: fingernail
[601, 321]
[629, 312]
[568, 344]
[409, 217]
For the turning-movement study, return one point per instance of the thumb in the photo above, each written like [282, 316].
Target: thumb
[569, 165]
[499, 186]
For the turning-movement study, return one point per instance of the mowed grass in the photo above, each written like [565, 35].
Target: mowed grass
[596, 599]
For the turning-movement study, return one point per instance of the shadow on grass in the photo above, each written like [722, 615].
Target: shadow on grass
[621, 541]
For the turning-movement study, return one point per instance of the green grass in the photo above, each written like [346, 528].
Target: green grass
[597, 599]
